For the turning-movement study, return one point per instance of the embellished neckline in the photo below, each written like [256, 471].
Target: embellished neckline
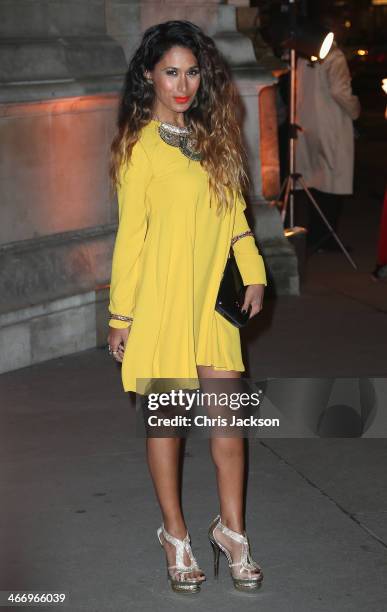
[177, 136]
[172, 126]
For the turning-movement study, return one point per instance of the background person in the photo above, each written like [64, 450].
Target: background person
[326, 109]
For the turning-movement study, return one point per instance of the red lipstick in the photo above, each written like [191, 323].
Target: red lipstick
[182, 100]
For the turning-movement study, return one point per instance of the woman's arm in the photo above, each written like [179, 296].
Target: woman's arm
[132, 227]
[247, 256]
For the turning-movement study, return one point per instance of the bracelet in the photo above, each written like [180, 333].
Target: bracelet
[121, 318]
[239, 236]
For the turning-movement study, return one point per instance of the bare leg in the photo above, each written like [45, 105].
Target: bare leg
[228, 455]
[164, 461]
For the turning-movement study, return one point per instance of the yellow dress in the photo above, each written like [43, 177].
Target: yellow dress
[169, 255]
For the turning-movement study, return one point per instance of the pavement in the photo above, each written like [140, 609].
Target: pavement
[79, 513]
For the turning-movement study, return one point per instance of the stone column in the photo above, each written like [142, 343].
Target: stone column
[203, 13]
[123, 22]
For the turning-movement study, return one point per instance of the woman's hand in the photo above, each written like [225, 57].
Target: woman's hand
[254, 296]
[117, 340]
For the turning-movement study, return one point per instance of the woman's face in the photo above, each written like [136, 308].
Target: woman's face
[176, 79]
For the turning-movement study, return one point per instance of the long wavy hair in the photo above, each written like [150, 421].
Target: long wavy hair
[212, 116]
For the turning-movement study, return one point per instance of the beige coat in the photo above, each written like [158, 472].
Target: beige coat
[326, 109]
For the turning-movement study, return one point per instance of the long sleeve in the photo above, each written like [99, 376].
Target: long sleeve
[339, 80]
[247, 256]
[132, 227]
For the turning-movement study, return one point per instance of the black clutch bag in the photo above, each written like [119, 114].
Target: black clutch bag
[231, 295]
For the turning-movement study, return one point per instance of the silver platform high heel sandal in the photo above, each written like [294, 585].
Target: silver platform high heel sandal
[175, 572]
[244, 573]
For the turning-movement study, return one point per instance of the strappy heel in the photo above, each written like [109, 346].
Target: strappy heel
[246, 563]
[175, 572]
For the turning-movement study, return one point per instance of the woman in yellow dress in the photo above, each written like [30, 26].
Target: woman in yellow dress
[177, 166]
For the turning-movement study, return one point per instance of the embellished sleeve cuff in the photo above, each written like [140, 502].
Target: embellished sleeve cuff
[242, 235]
[120, 321]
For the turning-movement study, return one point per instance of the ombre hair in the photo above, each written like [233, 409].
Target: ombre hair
[212, 116]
